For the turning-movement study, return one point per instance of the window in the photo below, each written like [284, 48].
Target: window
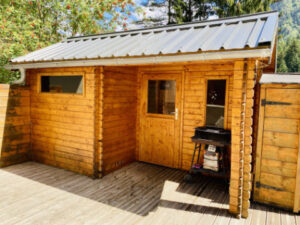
[215, 104]
[62, 84]
[161, 96]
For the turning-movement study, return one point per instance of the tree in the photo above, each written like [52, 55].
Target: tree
[289, 22]
[225, 8]
[203, 9]
[281, 50]
[27, 25]
[179, 11]
[189, 10]
[289, 30]
[292, 56]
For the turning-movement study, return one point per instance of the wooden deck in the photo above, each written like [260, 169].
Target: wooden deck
[32, 193]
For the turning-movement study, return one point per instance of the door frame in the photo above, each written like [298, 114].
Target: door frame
[142, 111]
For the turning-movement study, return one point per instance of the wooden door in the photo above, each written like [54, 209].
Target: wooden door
[277, 160]
[160, 119]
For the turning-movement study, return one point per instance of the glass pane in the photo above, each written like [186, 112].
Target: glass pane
[161, 96]
[62, 84]
[216, 92]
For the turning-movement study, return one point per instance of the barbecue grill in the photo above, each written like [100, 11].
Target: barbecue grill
[219, 136]
[216, 138]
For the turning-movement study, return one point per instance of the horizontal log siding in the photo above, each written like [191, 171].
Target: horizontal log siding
[194, 109]
[241, 139]
[119, 117]
[63, 125]
[14, 124]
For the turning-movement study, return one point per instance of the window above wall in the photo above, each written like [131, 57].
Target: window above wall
[215, 103]
[69, 84]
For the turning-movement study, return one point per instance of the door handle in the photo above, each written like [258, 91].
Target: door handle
[176, 114]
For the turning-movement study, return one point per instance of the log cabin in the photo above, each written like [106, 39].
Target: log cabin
[93, 104]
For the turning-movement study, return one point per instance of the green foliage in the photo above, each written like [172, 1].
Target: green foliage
[203, 9]
[288, 59]
[28, 25]
[189, 10]
[225, 8]
[289, 55]
[289, 22]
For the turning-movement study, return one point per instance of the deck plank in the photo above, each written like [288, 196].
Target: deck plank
[139, 193]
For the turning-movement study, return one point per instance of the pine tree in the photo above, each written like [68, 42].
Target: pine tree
[281, 64]
[203, 9]
[292, 56]
[225, 8]
[181, 11]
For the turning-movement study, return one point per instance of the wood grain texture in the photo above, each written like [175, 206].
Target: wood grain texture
[136, 194]
[119, 117]
[277, 158]
[159, 140]
[64, 125]
[296, 207]
[107, 116]
[194, 109]
[14, 124]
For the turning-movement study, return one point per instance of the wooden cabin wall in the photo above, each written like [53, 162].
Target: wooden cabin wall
[194, 108]
[63, 125]
[241, 76]
[14, 124]
[119, 117]
[194, 98]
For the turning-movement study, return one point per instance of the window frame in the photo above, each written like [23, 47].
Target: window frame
[157, 76]
[39, 84]
[226, 78]
[160, 114]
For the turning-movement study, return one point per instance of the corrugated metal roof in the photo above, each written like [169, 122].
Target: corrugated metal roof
[280, 79]
[242, 32]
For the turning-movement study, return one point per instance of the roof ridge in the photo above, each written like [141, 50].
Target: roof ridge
[171, 26]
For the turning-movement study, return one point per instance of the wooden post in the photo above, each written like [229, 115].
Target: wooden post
[98, 146]
[297, 189]
[241, 149]
[237, 140]
[247, 159]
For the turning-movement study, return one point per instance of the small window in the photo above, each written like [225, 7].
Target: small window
[62, 84]
[161, 96]
[215, 104]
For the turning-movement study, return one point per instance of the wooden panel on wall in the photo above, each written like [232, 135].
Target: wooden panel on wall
[278, 148]
[14, 124]
[194, 109]
[119, 117]
[63, 125]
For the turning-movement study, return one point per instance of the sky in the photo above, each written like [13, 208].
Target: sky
[150, 13]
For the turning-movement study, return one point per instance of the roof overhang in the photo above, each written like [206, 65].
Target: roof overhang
[280, 78]
[219, 55]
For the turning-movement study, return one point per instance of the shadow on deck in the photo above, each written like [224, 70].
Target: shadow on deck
[151, 193]
[138, 188]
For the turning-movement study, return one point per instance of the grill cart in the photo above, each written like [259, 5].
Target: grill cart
[213, 142]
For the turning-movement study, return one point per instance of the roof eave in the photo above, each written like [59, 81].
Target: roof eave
[253, 53]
